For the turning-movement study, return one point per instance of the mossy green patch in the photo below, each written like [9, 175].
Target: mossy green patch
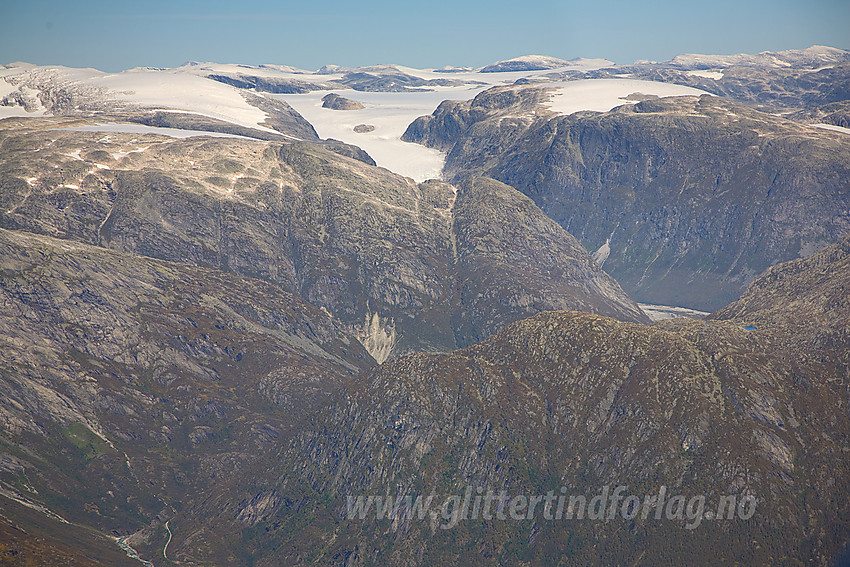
[86, 441]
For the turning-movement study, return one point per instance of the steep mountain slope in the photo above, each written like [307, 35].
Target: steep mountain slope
[190, 328]
[223, 416]
[581, 401]
[131, 386]
[376, 250]
[512, 261]
[816, 288]
[693, 196]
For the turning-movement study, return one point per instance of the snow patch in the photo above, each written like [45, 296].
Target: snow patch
[715, 74]
[121, 154]
[378, 337]
[661, 312]
[832, 127]
[602, 253]
[17, 101]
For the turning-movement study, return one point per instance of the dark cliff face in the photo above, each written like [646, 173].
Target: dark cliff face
[694, 196]
[376, 250]
[513, 261]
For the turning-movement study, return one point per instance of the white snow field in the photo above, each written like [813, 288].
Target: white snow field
[390, 114]
[168, 89]
[715, 74]
[189, 89]
[602, 95]
[181, 91]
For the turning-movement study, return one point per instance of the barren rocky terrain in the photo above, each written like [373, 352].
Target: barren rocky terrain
[216, 328]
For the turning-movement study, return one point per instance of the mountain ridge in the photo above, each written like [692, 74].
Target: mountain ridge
[357, 240]
[211, 344]
[690, 220]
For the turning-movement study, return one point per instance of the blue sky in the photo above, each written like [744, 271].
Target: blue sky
[117, 35]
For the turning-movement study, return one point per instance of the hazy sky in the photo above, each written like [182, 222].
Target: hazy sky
[116, 35]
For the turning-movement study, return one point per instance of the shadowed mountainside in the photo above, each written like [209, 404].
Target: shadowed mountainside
[693, 196]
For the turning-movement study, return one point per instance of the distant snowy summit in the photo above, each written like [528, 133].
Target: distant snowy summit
[541, 63]
[283, 102]
[814, 56]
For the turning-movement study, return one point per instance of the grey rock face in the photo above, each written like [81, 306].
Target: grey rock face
[836, 114]
[266, 84]
[347, 150]
[577, 400]
[381, 78]
[693, 196]
[772, 87]
[815, 287]
[121, 374]
[96, 301]
[513, 261]
[357, 240]
[389, 80]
